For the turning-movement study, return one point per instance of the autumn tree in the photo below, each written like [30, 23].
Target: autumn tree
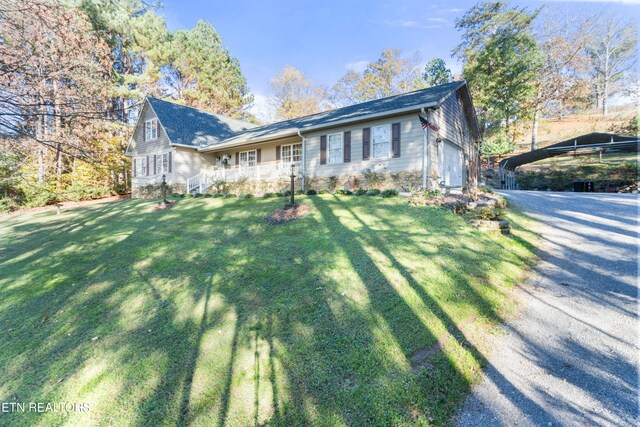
[294, 95]
[613, 50]
[562, 80]
[501, 59]
[391, 74]
[436, 73]
[53, 87]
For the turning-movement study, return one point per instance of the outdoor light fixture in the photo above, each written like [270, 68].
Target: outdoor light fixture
[293, 176]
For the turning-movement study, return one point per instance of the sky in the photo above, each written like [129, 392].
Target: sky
[326, 38]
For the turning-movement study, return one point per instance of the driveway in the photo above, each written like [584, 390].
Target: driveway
[571, 355]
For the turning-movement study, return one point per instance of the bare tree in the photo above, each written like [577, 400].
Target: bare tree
[613, 49]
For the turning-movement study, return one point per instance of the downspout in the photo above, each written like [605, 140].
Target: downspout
[426, 158]
[304, 158]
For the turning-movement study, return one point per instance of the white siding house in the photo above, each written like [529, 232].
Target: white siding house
[194, 149]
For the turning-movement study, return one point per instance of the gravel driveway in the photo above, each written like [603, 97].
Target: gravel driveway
[571, 356]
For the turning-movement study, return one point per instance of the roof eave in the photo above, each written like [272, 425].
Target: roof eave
[294, 131]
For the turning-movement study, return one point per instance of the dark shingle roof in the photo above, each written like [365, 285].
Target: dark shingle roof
[189, 126]
[353, 112]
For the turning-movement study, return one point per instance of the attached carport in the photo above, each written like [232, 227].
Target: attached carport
[592, 142]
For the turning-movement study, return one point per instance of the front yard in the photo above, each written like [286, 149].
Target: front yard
[206, 314]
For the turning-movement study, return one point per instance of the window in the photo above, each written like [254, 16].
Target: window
[150, 129]
[162, 163]
[381, 141]
[140, 166]
[334, 147]
[291, 153]
[248, 159]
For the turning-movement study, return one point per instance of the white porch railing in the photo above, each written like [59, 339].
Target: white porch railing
[265, 170]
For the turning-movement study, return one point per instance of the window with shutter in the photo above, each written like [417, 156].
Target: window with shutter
[381, 141]
[335, 148]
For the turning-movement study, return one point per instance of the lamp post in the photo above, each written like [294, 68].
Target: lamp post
[293, 176]
[163, 188]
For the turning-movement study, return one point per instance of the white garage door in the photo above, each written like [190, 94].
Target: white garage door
[451, 165]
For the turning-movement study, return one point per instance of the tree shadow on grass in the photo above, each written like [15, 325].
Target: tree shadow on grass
[208, 315]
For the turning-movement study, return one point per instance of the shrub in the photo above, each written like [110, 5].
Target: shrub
[188, 195]
[360, 192]
[229, 196]
[286, 193]
[248, 196]
[488, 214]
[269, 195]
[208, 195]
[485, 188]
[198, 195]
[392, 192]
[299, 192]
[311, 192]
[344, 192]
[217, 195]
[373, 192]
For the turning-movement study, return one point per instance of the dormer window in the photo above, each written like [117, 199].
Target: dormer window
[150, 129]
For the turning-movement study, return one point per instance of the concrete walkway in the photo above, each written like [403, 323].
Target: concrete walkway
[571, 356]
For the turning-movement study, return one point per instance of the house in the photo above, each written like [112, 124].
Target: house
[381, 143]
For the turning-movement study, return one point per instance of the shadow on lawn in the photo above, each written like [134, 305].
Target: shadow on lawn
[245, 324]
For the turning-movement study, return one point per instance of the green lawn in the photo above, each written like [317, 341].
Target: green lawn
[207, 315]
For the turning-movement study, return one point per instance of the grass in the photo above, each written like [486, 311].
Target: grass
[205, 314]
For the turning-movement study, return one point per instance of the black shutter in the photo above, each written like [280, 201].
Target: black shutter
[144, 131]
[237, 159]
[134, 167]
[147, 165]
[169, 161]
[157, 122]
[323, 150]
[347, 147]
[395, 139]
[366, 143]
[155, 160]
[258, 155]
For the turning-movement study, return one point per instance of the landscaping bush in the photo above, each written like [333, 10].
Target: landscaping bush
[198, 195]
[269, 195]
[229, 196]
[360, 192]
[373, 192]
[245, 196]
[392, 192]
[286, 193]
[344, 192]
[299, 192]
[217, 195]
[311, 192]
[487, 214]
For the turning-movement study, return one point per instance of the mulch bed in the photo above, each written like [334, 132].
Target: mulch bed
[287, 214]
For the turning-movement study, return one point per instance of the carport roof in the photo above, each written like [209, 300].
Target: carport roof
[595, 141]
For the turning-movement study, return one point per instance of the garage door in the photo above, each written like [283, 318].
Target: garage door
[452, 165]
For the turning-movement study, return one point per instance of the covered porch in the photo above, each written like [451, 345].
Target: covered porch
[264, 161]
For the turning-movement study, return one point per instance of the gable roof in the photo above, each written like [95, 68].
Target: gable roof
[204, 131]
[193, 127]
[353, 113]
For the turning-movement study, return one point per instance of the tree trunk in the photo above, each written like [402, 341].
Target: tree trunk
[534, 130]
[605, 83]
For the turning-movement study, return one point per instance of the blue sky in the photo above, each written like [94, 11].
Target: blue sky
[326, 38]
